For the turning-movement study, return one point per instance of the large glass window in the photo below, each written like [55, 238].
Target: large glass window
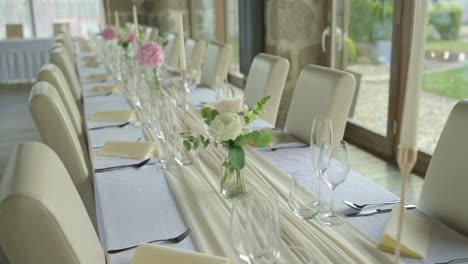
[18, 12]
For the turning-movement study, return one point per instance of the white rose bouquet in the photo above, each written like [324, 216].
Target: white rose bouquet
[227, 123]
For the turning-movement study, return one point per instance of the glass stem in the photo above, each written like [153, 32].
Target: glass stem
[332, 202]
[319, 189]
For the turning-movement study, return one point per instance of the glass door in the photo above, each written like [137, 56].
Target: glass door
[366, 41]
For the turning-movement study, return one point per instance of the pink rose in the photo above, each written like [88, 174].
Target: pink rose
[131, 38]
[108, 34]
[150, 55]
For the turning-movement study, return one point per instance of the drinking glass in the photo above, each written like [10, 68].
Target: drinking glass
[320, 149]
[222, 88]
[164, 127]
[184, 156]
[192, 80]
[334, 177]
[295, 255]
[254, 227]
[301, 199]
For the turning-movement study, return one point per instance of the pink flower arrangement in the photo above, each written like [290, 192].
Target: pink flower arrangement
[150, 55]
[108, 34]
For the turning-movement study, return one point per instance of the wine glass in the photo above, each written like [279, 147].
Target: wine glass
[222, 88]
[164, 127]
[192, 80]
[320, 149]
[335, 176]
[254, 227]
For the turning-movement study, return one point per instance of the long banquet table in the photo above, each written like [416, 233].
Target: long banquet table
[137, 205]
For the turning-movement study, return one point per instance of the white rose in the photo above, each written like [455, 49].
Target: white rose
[227, 126]
[229, 105]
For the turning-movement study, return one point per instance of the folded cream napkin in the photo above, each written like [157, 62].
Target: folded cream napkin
[150, 254]
[281, 140]
[100, 77]
[90, 58]
[105, 89]
[94, 64]
[414, 237]
[129, 149]
[113, 116]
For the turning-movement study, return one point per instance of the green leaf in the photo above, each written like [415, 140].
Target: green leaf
[196, 144]
[206, 143]
[205, 112]
[187, 145]
[263, 139]
[244, 139]
[237, 157]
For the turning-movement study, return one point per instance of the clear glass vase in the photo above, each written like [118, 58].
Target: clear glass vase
[232, 180]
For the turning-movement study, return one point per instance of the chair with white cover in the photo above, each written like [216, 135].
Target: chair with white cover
[172, 50]
[194, 52]
[66, 41]
[443, 193]
[267, 76]
[59, 57]
[14, 31]
[52, 74]
[42, 219]
[60, 27]
[56, 130]
[320, 92]
[215, 63]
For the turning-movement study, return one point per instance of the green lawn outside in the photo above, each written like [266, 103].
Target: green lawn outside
[454, 45]
[451, 83]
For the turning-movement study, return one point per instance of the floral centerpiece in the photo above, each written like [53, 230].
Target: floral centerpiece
[108, 34]
[125, 38]
[150, 57]
[227, 123]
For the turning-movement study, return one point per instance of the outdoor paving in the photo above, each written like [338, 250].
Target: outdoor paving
[372, 107]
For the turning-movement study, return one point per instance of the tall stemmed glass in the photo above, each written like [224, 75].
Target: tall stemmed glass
[164, 127]
[320, 150]
[255, 228]
[336, 175]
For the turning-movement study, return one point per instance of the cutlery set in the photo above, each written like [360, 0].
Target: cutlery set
[363, 211]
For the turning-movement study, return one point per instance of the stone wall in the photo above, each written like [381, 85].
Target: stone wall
[293, 31]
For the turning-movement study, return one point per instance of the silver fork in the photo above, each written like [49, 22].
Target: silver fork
[460, 260]
[173, 240]
[360, 206]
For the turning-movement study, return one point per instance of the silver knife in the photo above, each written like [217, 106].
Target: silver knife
[376, 211]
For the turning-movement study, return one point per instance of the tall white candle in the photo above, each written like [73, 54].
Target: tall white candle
[117, 21]
[183, 67]
[409, 127]
[135, 20]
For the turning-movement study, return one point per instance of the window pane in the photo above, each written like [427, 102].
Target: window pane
[445, 80]
[82, 15]
[15, 11]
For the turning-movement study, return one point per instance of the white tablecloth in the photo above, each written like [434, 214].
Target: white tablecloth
[137, 205]
[21, 60]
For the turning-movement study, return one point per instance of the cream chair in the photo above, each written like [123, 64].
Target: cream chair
[320, 92]
[194, 52]
[267, 76]
[66, 42]
[14, 31]
[52, 74]
[60, 27]
[42, 219]
[59, 57]
[443, 194]
[215, 63]
[172, 50]
[56, 130]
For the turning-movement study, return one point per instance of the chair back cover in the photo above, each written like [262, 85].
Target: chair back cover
[172, 50]
[443, 193]
[64, 39]
[52, 74]
[194, 51]
[59, 57]
[267, 76]
[42, 219]
[320, 92]
[56, 130]
[215, 63]
[14, 31]
[60, 27]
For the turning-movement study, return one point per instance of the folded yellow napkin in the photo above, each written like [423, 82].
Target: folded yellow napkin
[150, 254]
[91, 58]
[414, 237]
[94, 64]
[100, 77]
[281, 140]
[105, 89]
[129, 149]
[114, 116]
